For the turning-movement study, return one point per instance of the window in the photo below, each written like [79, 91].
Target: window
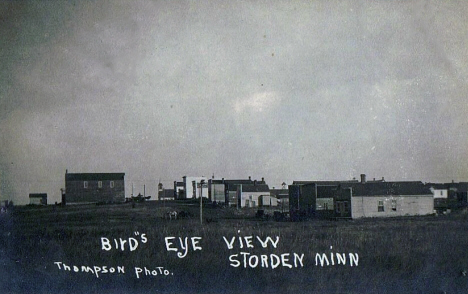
[393, 205]
[346, 206]
[99, 184]
[112, 184]
[380, 206]
[85, 184]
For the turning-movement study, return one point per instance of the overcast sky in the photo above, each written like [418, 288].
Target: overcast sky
[286, 90]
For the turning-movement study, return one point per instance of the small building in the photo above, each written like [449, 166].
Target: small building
[165, 194]
[250, 195]
[390, 199]
[38, 198]
[81, 188]
[232, 187]
[313, 199]
[440, 193]
[451, 195]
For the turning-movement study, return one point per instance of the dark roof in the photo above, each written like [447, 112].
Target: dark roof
[323, 183]
[231, 185]
[459, 187]
[388, 188]
[280, 193]
[255, 188]
[217, 181]
[247, 181]
[37, 195]
[437, 185]
[94, 176]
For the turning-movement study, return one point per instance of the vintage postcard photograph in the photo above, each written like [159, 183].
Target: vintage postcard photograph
[234, 146]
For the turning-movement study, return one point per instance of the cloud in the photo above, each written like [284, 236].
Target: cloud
[285, 91]
[258, 102]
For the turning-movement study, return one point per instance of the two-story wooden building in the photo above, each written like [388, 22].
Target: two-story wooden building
[83, 188]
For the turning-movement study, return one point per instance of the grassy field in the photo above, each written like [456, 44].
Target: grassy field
[398, 255]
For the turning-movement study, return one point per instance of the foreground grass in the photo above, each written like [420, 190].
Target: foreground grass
[404, 255]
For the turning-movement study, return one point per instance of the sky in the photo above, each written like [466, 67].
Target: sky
[285, 90]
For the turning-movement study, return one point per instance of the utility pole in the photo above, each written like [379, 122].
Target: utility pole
[201, 201]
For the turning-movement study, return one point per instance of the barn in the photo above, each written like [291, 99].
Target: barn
[81, 188]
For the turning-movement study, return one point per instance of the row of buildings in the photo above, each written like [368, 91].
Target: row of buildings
[321, 199]
[238, 193]
[82, 188]
[375, 198]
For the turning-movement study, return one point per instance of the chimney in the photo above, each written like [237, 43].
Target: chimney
[383, 179]
[363, 178]
[223, 180]
[66, 171]
[263, 179]
[250, 178]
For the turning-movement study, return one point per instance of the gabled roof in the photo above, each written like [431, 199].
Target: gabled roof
[231, 185]
[255, 188]
[388, 188]
[324, 183]
[94, 176]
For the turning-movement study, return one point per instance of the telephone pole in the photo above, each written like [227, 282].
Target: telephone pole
[201, 201]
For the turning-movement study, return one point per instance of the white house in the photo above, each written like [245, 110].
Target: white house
[388, 199]
[439, 192]
[250, 195]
